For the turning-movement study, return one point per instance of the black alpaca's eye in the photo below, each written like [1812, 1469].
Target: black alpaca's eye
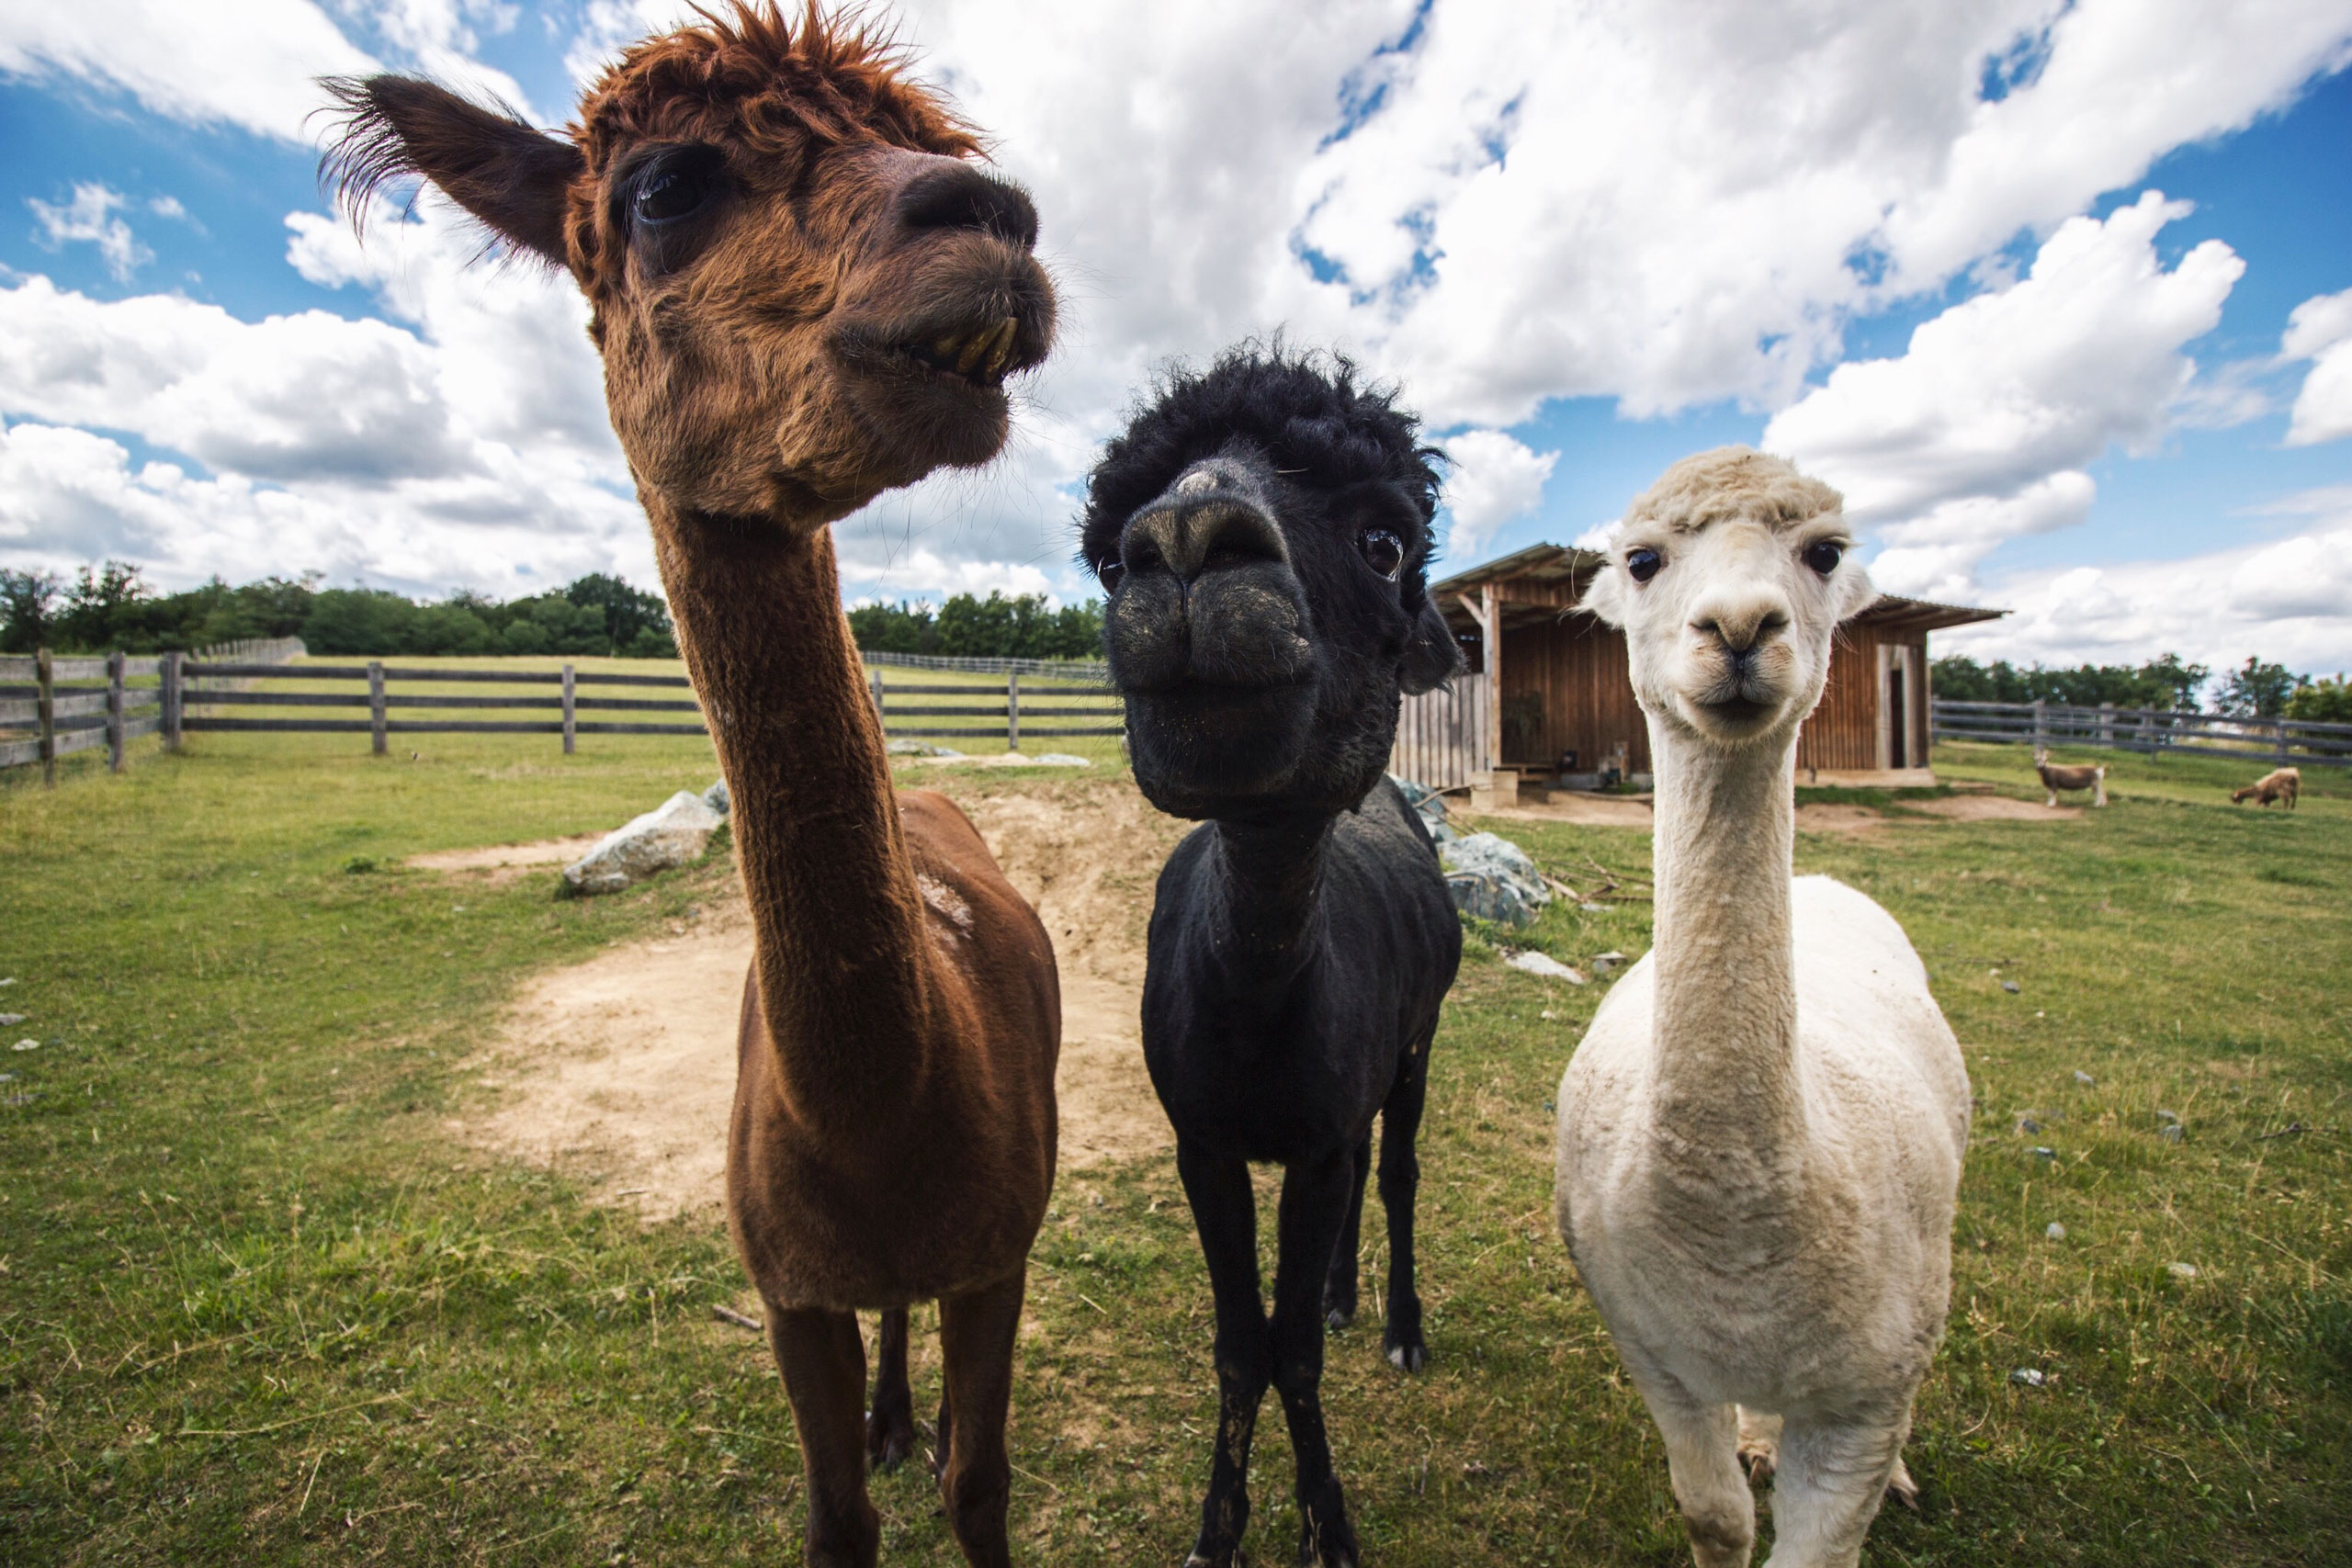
[1382, 551]
[1108, 572]
[1642, 565]
[1823, 555]
[675, 190]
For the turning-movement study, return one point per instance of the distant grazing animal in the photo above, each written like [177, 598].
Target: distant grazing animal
[2055, 778]
[1263, 529]
[2280, 784]
[807, 293]
[1760, 1137]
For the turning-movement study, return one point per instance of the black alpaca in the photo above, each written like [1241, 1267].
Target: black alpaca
[1262, 531]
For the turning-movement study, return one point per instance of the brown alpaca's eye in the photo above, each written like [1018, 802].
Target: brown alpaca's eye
[1823, 555]
[1382, 551]
[1642, 565]
[671, 195]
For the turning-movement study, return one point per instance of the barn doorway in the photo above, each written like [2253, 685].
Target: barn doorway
[1898, 731]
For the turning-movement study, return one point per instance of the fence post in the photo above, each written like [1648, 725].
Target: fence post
[376, 706]
[874, 682]
[568, 718]
[114, 712]
[2282, 742]
[1012, 710]
[2040, 722]
[171, 700]
[44, 671]
[2107, 724]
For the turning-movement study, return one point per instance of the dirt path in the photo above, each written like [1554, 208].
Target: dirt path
[621, 1069]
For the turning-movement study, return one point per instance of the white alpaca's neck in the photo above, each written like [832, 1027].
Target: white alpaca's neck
[1730, 1110]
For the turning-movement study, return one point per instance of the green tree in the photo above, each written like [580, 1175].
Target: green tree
[630, 615]
[27, 609]
[2258, 690]
[2326, 700]
[372, 621]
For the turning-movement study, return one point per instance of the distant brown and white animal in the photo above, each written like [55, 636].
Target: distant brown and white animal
[2055, 778]
[806, 292]
[2279, 784]
[1760, 1138]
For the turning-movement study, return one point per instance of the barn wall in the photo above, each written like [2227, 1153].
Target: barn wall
[1576, 668]
[1843, 731]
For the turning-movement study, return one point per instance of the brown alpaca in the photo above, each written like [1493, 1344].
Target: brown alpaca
[2284, 785]
[805, 294]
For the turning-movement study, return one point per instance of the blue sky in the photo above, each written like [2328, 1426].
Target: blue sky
[1580, 255]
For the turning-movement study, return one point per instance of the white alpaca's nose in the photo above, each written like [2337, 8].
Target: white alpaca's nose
[1742, 623]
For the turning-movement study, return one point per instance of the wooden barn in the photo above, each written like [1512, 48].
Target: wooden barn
[1547, 700]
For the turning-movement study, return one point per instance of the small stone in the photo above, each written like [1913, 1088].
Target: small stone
[2163, 1115]
[1594, 908]
[2031, 1377]
[2056, 1231]
[2170, 1135]
[2085, 1079]
[2042, 1151]
[26, 1045]
[1060, 760]
[9, 981]
[7, 1077]
[1550, 1017]
[2028, 1124]
[1545, 965]
[7, 1018]
[2181, 1270]
[1605, 962]
[2011, 987]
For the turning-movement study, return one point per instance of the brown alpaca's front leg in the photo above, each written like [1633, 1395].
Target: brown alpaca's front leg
[975, 1337]
[822, 1357]
[890, 1423]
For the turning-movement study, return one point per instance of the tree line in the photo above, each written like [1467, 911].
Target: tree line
[112, 606]
[994, 628]
[2257, 689]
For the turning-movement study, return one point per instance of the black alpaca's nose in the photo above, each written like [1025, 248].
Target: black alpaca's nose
[952, 194]
[1200, 524]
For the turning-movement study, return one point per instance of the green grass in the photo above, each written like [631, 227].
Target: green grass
[257, 1304]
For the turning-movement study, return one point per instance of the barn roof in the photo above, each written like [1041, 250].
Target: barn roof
[1552, 575]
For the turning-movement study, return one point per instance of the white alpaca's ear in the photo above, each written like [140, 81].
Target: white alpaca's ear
[1606, 595]
[1856, 591]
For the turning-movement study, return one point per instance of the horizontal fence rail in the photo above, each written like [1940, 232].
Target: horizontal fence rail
[222, 694]
[1057, 669]
[2280, 742]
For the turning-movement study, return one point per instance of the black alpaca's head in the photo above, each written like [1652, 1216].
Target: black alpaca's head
[1262, 530]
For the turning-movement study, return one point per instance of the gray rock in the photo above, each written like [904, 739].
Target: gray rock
[26, 1045]
[2045, 1154]
[2010, 986]
[2056, 1231]
[2028, 1124]
[717, 798]
[8, 1018]
[2031, 1377]
[1060, 760]
[2084, 1078]
[2181, 1270]
[2170, 1132]
[1492, 878]
[673, 834]
[1543, 965]
[905, 748]
[1605, 962]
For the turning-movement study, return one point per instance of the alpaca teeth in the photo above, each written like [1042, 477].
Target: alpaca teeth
[975, 347]
[999, 341]
[947, 348]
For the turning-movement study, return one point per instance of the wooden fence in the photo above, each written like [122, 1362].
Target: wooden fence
[1444, 737]
[190, 695]
[2281, 742]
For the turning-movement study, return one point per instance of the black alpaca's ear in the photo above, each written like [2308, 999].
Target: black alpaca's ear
[1431, 657]
[510, 176]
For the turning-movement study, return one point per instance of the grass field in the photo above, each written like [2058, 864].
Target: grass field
[256, 1305]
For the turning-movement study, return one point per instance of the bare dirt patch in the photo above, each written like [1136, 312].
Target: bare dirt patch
[1831, 818]
[622, 1069]
[1992, 808]
[495, 858]
[1590, 810]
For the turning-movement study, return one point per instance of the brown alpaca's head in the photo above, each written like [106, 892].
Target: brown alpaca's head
[804, 290]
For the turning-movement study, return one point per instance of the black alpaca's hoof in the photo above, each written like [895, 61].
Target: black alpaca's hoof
[1326, 1543]
[1406, 1353]
[889, 1437]
[1339, 1311]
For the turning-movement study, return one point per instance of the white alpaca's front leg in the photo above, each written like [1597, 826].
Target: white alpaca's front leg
[1702, 1460]
[1831, 1478]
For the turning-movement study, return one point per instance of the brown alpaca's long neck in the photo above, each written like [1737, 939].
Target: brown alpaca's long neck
[837, 923]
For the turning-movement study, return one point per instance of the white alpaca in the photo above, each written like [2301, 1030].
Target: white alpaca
[1760, 1137]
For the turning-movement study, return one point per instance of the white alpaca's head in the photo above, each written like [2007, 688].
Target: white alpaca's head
[1728, 578]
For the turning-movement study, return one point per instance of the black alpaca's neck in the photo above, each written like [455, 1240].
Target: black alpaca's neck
[1271, 879]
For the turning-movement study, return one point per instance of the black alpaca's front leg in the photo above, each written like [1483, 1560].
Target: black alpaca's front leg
[890, 1420]
[1225, 1213]
[1315, 1199]
[1400, 1182]
[1340, 1290]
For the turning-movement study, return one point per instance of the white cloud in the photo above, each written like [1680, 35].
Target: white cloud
[90, 217]
[1494, 477]
[2288, 601]
[249, 64]
[2321, 331]
[1980, 432]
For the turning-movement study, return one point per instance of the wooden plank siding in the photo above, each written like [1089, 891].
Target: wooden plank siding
[1575, 666]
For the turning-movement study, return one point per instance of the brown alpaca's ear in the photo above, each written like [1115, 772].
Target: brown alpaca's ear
[510, 176]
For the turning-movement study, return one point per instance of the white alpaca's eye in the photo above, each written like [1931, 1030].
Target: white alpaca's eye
[1642, 565]
[1823, 555]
